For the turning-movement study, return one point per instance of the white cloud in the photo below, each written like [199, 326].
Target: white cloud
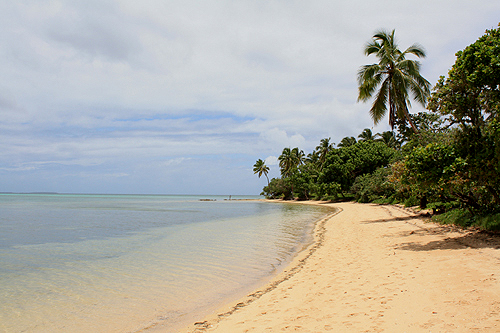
[271, 160]
[279, 138]
[99, 87]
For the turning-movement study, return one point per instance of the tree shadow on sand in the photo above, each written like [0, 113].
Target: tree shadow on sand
[394, 219]
[476, 239]
[473, 239]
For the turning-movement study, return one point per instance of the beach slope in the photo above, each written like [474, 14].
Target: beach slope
[377, 268]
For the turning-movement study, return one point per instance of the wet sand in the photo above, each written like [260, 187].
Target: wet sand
[376, 268]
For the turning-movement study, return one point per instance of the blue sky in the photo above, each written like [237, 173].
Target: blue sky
[182, 97]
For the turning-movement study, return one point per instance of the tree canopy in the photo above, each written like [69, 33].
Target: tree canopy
[469, 98]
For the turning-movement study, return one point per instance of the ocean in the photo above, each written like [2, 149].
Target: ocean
[125, 263]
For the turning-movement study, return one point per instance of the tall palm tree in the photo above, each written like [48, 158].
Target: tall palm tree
[261, 168]
[347, 141]
[366, 135]
[392, 79]
[289, 160]
[325, 146]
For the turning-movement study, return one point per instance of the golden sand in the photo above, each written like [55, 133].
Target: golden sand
[376, 268]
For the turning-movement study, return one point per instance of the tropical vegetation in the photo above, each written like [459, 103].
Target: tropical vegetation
[447, 160]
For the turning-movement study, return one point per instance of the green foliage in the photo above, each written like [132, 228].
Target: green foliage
[304, 181]
[411, 201]
[343, 165]
[327, 173]
[471, 93]
[461, 217]
[373, 186]
[347, 141]
[323, 149]
[470, 100]
[278, 189]
[366, 135]
[438, 173]
[432, 127]
[488, 222]
[389, 139]
[465, 219]
[289, 160]
[328, 191]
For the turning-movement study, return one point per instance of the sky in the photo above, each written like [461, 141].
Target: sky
[182, 97]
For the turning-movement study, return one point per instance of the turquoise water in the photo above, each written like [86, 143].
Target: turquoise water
[122, 263]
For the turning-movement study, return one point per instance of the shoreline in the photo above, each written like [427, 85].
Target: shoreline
[251, 290]
[375, 268]
[231, 305]
[292, 268]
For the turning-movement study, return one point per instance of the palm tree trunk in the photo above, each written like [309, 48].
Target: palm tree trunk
[407, 116]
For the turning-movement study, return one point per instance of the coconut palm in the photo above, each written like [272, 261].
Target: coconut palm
[261, 168]
[289, 160]
[392, 79]
[300, 156]
[312, 158]
[366, 135]
[347, 141]
[323, 149]
[388, 138]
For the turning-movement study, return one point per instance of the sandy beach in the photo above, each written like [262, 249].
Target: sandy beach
[376, 268]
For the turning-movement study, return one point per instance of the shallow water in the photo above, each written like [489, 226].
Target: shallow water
[80, 263]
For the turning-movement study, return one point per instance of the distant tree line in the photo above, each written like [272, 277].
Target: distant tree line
[446, 158]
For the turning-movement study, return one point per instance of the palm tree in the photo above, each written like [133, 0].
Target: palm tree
[289, 160]
[392, 79]
[388, 138]
[261, 168]
[312, 158]
[366, 135]
[299, 156]
[347, 141]
[323, 149]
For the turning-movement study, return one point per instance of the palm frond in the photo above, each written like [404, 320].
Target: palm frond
[416, 49]
[379, 106]
[369, 78]
[411, 67]
[371, 48]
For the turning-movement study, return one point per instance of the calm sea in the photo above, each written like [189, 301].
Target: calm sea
[122, 263]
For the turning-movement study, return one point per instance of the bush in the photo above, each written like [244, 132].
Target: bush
[488, 222]
[461, 217]
[465, 219]
[278, 189]
[370, 187]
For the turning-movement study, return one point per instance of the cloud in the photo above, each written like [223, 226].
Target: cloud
[280, 138]
[195, 91]
[271, 160]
